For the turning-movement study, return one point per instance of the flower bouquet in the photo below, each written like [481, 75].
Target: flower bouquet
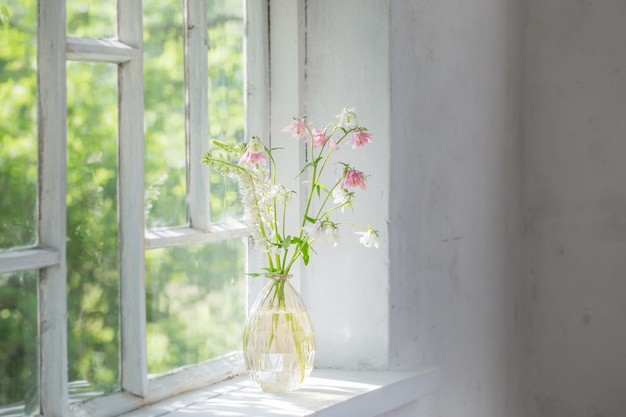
[279, 343]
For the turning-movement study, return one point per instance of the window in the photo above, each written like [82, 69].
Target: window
[121, 257]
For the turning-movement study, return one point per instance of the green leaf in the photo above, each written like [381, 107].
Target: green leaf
[304, 248]
[305, 256]
[308, 165]
[322, 187]
[4, 15]
[309, 219]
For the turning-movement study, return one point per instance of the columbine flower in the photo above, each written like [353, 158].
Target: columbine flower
[332, 143]
[324, 230]
[319, 138]
[265, 202]
[297, 128]
[282, 194]
[353, 178]
[360, 138]
[347, 117]
[370, 238]
[255, 152]
[331, 233]
[341, 196]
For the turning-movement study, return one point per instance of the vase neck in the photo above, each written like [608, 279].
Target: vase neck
[283, 277]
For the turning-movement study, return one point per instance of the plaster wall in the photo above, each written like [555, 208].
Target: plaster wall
[499, 159]
[575, 197]
[346, 65]
[455, 222]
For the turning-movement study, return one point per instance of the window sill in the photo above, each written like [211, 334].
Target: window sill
[327, 393]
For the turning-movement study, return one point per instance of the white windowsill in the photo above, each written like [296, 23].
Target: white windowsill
[326, 393]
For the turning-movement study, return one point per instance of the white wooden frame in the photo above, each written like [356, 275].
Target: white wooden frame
[54, 49]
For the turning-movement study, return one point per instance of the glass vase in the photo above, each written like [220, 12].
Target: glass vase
[278, 338]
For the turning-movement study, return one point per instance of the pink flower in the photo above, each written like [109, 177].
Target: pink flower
[360, 138]
[255, 152]
[252, 157]
[354, 178]
[297, 128]
[319, 138]
[332, 143]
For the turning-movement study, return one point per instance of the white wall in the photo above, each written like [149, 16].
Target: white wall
[455, 188]
[439, 86]
[575, 192]
[501, 141]
[346, 55]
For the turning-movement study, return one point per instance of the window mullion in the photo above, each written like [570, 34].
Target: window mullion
[197, 124]
[52, 212]
[131, 209]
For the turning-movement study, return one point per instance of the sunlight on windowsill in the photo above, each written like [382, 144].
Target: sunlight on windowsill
[326, 393]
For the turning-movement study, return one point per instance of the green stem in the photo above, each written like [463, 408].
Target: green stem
[330, 192]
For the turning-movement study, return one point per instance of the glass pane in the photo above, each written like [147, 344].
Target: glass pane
[18, 123]
[92, 246]
[195, 303]
[19, 392]
[226, 96]
[92, 18]
[164, 114]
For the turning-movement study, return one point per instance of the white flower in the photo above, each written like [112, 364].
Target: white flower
[331, 234]
[282, 194]
[347, 117]
[340, 195]
[325, 230]
[370, 238]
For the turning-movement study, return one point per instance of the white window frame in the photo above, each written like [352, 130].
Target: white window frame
[54, 49]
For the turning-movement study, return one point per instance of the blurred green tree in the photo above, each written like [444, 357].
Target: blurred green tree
[183, 283]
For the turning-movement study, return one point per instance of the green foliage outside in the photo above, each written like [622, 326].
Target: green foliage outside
[194, 294]
[18, 333]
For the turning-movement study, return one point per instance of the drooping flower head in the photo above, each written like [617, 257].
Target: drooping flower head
[347, 117]
[343, 198]
[324, 230]
[332, 143]
[360, 137]
[297, 128]
[255, 152]
[341, 195]
[331, 233]
[370, 238]
[353, 178]
[319, 138]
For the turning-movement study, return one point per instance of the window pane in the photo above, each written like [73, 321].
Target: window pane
[18, 123]
[92, 245]
[92, 18]
[195, 303]
[19, 393]
[226, 99]
[164, 114]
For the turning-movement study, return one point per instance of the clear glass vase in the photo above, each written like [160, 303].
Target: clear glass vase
[278, 338]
